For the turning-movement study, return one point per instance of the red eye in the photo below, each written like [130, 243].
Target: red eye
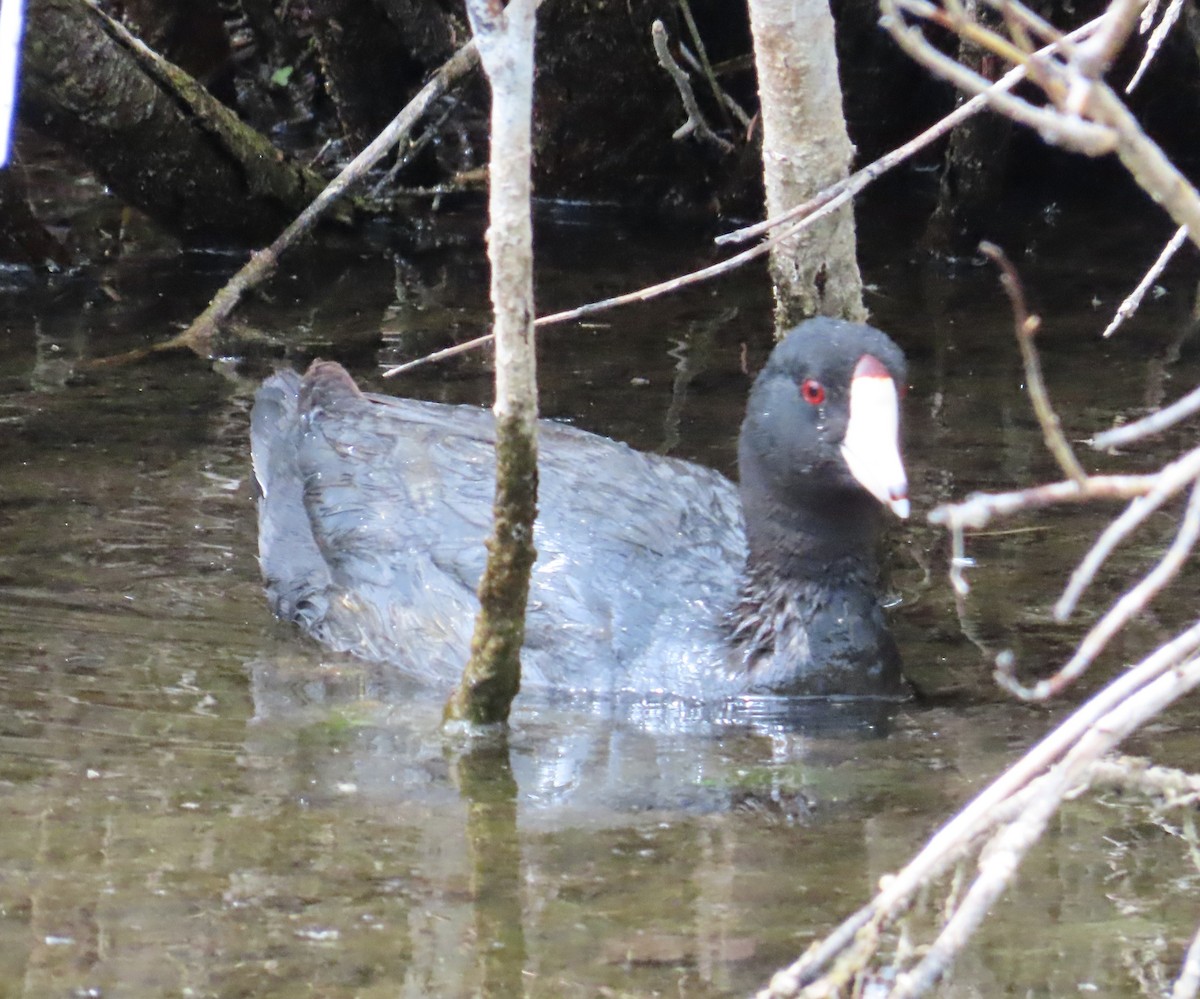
[812, 391]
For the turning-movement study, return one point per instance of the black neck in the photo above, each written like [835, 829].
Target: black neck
[800, 539]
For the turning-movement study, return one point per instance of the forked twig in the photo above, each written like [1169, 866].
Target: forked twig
[1002, 856]
[706, 69]
[1056, 127]
[1131, 603]
[1169, 482]
[696, 122]
[1026, 328]
[980, 509]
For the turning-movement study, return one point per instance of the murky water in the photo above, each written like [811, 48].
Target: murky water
[197, 802]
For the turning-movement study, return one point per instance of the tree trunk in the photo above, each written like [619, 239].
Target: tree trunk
[151, 132]
[492, 675]
[805, 148]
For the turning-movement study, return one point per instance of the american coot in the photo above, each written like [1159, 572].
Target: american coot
[373, 511]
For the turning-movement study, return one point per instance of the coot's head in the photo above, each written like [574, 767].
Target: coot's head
[819, 454]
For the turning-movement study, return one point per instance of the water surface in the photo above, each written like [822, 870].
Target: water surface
[198, 802]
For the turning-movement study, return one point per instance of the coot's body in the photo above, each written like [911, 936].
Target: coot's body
[373, 513]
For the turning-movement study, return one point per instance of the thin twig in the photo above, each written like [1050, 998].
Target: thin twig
[1147, 163]
[1052, 125]
[959, 562]
[414, 149]
[1171, 479]
[1170, 16]
[1128, 307]
[1156, 422]
[861, 178]
[706, 66]
[1026, 328]
[734, 107]
[262, 264]
[1130, 604]
[1149, 13]
[1097, 54]
[1009, 847]
[641, 295]
[696, 122]
[981, 813]
[979, 509]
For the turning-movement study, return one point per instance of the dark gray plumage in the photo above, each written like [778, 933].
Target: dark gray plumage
[373, 512]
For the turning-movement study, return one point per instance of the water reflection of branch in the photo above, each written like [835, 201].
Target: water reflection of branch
[692, 355]
[486, 783]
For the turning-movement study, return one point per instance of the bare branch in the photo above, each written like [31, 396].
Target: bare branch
[1181, 409]
[723, 96]
[1107, 714]
[979, 509]
[1147, 163]
[641, 295]
[262, 264]
[695, 117]
[1095, 56]
[1026, 329]
[1159, 36]
[706, 66]
[1131, 303]
[1084, 113]
[1007, 849]
[1171, 480]
[862, 178]
[1056, 127]
[1121, 613]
